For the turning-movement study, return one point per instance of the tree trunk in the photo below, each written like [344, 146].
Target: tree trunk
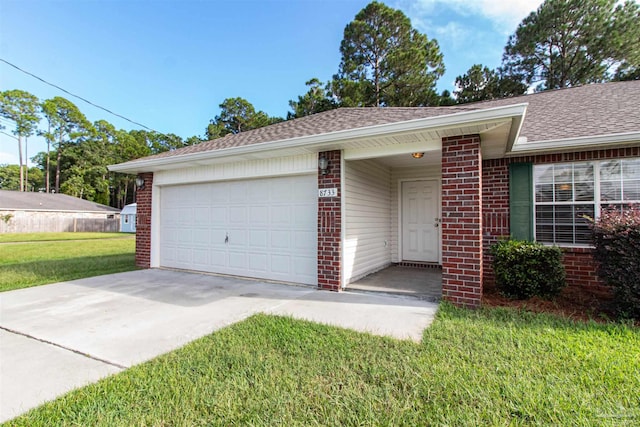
[59, 151]
[48, 177]
[21, 162]
[26, 169]
[58, 170]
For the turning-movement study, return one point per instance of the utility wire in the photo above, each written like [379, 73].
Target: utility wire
[76, 96]
[8, 135]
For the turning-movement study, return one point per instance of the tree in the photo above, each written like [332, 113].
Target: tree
[446, 99]
[22, 108]
[67, 125]
[10, 177]
[480, 83]
[193, 140]
[572, 42]
[386, 62]
[316, 100]
[237, 115]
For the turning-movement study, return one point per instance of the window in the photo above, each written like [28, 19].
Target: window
[567, 192]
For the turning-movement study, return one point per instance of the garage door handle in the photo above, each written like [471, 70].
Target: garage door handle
[226, 239]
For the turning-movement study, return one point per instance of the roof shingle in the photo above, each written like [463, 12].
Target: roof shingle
[17, 200]
[590, 110]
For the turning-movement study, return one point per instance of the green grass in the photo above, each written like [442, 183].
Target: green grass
[41, 237]
[486, 367]
[27, 264]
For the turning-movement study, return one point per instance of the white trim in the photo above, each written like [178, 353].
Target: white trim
[592, 142]
[321, 141]
[343, 221]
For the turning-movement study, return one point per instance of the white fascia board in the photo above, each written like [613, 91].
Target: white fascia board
[316, 141]
[568, 144]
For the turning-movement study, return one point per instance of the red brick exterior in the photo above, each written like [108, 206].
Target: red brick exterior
[330, 226]
[462, 220]
[143, 222]
[579, 264]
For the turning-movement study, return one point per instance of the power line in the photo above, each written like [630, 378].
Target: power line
[76, 96]
[8, 135]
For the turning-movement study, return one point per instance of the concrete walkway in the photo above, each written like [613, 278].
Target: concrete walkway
[58, 337]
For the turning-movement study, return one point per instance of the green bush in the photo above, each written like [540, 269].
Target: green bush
[525, 269]
[616, 236]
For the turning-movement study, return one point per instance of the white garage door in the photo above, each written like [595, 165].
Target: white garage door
[263, 228]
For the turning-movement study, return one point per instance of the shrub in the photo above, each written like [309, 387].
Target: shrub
[616, 236]
[525, 269]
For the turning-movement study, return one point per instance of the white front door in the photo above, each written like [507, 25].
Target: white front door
[420, 224]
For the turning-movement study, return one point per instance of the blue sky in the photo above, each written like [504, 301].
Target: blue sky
[169, 64]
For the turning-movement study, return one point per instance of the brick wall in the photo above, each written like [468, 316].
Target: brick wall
[143, 222]
[330, 226]
[462, 220]
[495, 210]
[579, 264]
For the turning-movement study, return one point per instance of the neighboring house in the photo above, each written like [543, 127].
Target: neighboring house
[128, 219]
[329, 198]
[27, 212]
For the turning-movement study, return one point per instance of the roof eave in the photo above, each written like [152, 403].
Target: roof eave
[515, 111]
[575, 144]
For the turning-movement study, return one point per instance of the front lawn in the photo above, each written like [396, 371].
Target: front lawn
[485, 367]
[37, 260]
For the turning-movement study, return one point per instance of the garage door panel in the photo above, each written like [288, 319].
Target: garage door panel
[201, 215]
[238, 260]
[218, 214]
[302, 241]
[259, 191]
[270, 225]
[215, 195]
[259, 239]
[237, 192]
[259, 214]
[281, 264]
[258, 262]
[281, 239]
[280, 214]
[201, 237]
[218, 259]
[238, 215]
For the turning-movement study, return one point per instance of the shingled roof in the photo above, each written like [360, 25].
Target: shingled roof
[17, 200]
[590, 110]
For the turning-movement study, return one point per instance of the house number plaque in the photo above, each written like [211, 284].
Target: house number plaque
[327, 192]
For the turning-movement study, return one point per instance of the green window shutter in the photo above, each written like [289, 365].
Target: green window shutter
[521, 200]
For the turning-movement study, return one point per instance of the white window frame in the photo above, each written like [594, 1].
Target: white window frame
[596, 202]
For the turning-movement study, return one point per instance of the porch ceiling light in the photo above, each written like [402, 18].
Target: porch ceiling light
[417, 155]
[323, 164]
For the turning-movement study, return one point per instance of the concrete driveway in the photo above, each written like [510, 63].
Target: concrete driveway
[58, 337]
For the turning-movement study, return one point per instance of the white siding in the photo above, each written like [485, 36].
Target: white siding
[399, 175]
[279, 166]
[367, 218]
